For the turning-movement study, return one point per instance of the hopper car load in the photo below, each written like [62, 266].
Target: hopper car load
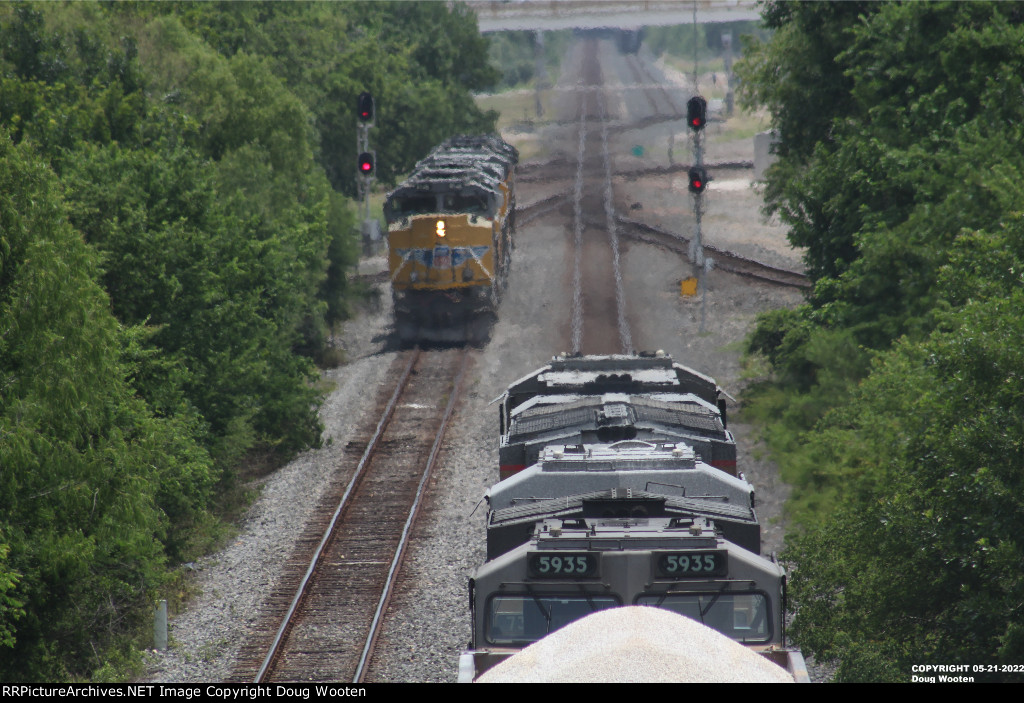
[450, 228]
[636, 644]
[604, 399]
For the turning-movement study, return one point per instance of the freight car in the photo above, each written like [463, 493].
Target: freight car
[603, 399]
[450, 229]
[571, 568]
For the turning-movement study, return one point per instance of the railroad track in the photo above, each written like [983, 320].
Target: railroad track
[531, 212]
[556, 170]
[597, 286]
[642, 77]
[724, 260]
[673, 241]
[321, 623]
[615, 224]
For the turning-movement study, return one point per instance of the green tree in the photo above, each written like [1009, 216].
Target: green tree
[215, 234]
[10, 607]
[907, 199]
[83, 463]
[798, 75]
[420, 61]
[186, 156]
[869, 101]
[922, 562]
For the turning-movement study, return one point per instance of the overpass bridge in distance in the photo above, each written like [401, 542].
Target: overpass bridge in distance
[499, 15]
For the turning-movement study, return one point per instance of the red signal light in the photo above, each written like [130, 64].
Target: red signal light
[696, 113]
[366, 164]
[698, 179]
[364, 107]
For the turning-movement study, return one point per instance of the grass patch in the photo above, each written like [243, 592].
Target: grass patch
[517, 109]
[743, 125]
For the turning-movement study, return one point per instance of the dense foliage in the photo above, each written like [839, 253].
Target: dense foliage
[896, 401]
[90, 478]
[174, 240]
[420, 60]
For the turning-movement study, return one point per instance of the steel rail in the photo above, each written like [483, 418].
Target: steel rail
[385, 598]
[528, 213]
[625, 337]
[756, 269]
[630, 64]
[637, 66]
[577, 225]
[282, 631]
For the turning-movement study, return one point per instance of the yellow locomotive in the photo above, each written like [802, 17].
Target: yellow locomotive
[450, 227]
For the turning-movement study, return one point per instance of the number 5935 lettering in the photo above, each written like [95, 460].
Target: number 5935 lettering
[562, 565]
[690, 564]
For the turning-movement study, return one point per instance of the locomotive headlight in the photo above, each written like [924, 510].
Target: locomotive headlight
[440, 228]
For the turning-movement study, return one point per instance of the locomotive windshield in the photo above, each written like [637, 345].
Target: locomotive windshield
[431, 203]
[744, 617]
[520, 619]
[470, 204]
[414, 205]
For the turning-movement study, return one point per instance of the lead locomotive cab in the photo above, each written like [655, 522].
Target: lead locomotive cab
[572, 568]
[450, 228]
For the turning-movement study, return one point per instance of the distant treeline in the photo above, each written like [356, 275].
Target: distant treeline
[175, 232]
[514, 53]
[895, 405]
[682, 40]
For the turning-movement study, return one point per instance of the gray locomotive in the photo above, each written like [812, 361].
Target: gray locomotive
[605, 399]
[629, 478]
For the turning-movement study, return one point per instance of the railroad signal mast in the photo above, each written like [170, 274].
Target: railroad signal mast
[697, 119]
[366, 166]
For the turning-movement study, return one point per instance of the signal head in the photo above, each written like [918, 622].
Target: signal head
[364, 107]
[696, 113]
[366, 164]
[698, 179]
